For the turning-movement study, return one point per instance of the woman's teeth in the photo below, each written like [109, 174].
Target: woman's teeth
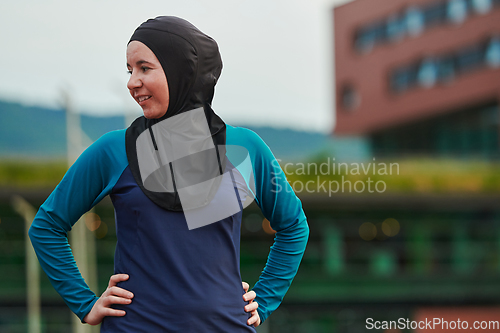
[140, 99]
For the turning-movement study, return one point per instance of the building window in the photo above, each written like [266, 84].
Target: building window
[367, 37]
[414, 21]
[446, 68]
[470, 132]
[403, 79]
[435, 14]
[493, 53]
[350, 98]
[482, 6]
[395, 28]
[457, 11]
[470, 58]
[428, 73]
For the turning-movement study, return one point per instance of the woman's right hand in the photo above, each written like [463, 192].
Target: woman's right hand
[112, 295]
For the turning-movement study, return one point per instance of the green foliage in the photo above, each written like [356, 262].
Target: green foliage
[31, 174]
[422, 175]
[415, 175]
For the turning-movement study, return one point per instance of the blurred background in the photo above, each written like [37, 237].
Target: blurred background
[413, 85]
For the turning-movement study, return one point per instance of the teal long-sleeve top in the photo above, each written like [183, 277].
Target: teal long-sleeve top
[172, 269]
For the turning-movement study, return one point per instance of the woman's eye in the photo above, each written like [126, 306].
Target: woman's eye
[129, 72]
[144, 68]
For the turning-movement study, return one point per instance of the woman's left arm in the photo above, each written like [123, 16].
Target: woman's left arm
[283, 209]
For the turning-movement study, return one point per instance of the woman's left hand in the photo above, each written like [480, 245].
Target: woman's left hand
[252, 306]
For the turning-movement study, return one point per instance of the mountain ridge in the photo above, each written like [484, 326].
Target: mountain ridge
[40, 132]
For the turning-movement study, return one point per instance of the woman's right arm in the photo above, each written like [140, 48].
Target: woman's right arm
[89, 179]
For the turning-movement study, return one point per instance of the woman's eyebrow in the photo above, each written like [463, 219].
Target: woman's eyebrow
[140, 62]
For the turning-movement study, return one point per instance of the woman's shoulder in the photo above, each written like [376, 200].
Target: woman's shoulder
[245, 137]
[116, 137]
[109, 148]
[113, 141]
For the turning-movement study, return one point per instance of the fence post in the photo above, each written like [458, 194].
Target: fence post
[23, 208]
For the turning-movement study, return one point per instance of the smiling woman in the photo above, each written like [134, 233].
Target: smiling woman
[148, 83]
[172, 275]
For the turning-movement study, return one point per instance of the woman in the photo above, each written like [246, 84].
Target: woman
[179, 178]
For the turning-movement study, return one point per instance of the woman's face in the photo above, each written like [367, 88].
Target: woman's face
[148, 83]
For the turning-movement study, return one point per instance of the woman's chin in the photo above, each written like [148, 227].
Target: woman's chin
[150, 114]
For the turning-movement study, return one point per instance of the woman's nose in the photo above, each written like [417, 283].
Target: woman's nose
[133, 82]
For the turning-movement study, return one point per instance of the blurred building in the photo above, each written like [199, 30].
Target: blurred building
[419, 76]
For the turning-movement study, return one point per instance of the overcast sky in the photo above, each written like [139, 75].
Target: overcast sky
[277, 54]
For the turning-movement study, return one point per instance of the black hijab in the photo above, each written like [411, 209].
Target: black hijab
[192, 65]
